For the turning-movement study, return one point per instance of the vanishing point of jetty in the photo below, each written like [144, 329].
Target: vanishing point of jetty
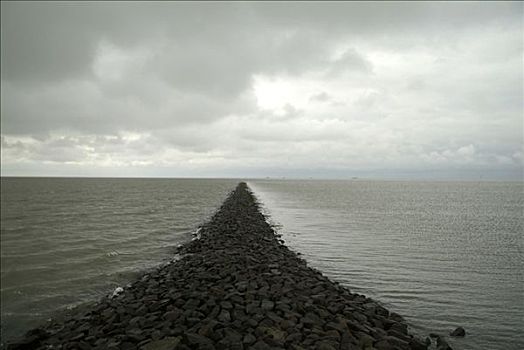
[235, 287]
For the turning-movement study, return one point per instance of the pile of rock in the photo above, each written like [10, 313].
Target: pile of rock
[236, 287]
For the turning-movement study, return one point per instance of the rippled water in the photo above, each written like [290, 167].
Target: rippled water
[442, 254]
[65, 241]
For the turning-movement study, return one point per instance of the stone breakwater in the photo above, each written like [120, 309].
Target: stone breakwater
[236, 286]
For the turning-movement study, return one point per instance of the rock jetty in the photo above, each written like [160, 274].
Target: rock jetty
[236, 286]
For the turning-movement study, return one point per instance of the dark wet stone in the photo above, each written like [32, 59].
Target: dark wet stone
[399, 335]
[293, 338]
[355, 326]
[287, 323]
[399, 343]
[252, 322]
[267, 305]
[135, 334]
[458, 332]
[333, 334]
[141, 311]
[226, 305]
[260, 345]
[31, 340]
[136, 321]
[191, 304]
[416, 344]
[76, 337]
[381, 311]
[232, 335]
[365, 340]
[274, 317]
[347, 338]
[336, 326]
[384, 345]
[124, 346]
[195, 339]
[326, 346]
[274, 333]
[168, 343]
[172, 315]
[399, 327]
[311, 319]
[207, 330]
[224, 316]
[155, 334]
[396, 317]
[349, 346]
[442, 344]
[284, 307]
[249, 339]
[378, 333]
[252, 307]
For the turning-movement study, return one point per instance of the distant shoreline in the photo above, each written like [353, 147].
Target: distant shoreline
[358, 179]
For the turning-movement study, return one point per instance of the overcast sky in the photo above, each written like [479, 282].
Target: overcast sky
[262, 89]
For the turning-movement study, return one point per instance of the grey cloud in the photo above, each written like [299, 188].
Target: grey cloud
[81, 107]
[387, 19]
[53, 41]
[320, 97]
[36, 46]
[204, 40]
[407, 84]
[225, 67]
[206, 69]
[350, 61]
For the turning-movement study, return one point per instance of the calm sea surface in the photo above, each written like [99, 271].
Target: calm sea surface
[442, 254]
[65, 241]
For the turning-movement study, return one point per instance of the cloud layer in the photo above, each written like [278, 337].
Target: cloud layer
[256, 89]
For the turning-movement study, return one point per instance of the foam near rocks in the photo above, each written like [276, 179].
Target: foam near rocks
[236, 287]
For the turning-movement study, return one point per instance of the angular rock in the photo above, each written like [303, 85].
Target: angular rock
[195, 339]
[458, 332]
[267, 305]
[365, 340]
[384, 345]
[442, 344]
[224, 316]
[416, 344]
[249, 339]
[169, 343]
[260, 345]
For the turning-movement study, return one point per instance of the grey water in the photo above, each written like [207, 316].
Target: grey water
[442, 254]
[67, 241]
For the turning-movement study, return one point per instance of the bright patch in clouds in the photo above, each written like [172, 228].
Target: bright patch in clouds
[275, 93]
